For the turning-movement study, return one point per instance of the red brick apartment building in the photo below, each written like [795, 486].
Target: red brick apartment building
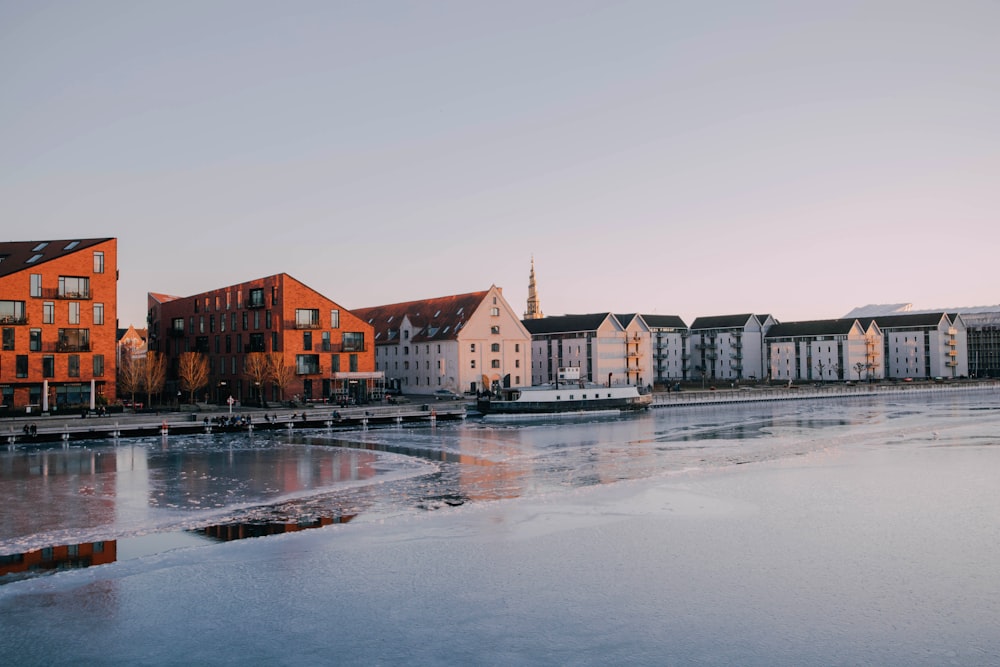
[58, 320]
[330, 350]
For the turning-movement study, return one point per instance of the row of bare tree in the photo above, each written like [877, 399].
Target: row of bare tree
[148, 374]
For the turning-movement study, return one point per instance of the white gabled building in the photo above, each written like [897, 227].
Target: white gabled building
[596, 343]
[461, 343]
[728, 347]
[923, 345]
[824, 350]
[668, 335]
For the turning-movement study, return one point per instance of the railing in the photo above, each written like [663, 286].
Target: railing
[255, 305]
[67, 347]
[307, 325]
[56, 293]
[11, 319]
[176, 333]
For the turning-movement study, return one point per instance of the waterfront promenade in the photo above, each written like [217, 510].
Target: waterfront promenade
[70, 427]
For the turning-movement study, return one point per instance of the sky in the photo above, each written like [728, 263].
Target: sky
[677, 158]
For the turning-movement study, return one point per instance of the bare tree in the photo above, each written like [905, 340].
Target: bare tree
[859, 368]
[129, 374]
[820, 365]
[154, 375]
[280, 373]
[257, 368]
[192, 371]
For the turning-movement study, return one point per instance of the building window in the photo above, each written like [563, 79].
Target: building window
[274, 342]
[256, 320]
[472, 363]
[74, 365]
[232, 321]
[246, 321]
[74, 312]
[494, 329]
[98, 313]
[98, 262]
[21, 366]
[335, 363]
[35, 340]
[267, 320]
[256, 342]
[472, 347]
[211, 324]
[8, 339]
[12, 312]
[353, 361]
[353, 341]
[307, 340]
[74, 287]
[36, 284]
[307, 364]
[494, 311]
[256, 299]
[307, 318]
[48, 366]
[98, 365]
[517, 363]
[495, 363]
[495, 347]
[335, 319]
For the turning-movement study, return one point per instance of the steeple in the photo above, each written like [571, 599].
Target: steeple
[534, 312]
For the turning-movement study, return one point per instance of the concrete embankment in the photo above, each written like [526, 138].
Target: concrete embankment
[798, 393]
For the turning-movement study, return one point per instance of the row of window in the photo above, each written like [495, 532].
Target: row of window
[49, 365]
[304, 319]
[68, 340]
[70, 287]
[13, 312]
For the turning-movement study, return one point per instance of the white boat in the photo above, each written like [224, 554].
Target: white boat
[569, 396]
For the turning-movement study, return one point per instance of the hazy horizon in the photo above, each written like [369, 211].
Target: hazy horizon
[688, 159]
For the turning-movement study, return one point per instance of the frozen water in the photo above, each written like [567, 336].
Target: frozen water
[848, 532]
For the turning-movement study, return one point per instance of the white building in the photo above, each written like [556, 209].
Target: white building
[923, 345]
[824, 350]
[465, 342]
[668, 336]
[596, 343]
[728, 347]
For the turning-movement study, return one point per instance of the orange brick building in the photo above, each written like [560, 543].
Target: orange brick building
[58, 320]
[330, 350]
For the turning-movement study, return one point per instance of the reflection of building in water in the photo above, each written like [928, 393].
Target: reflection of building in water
[196, 478]
[42, 481]
[487, 471]
[65, 557]
[243, 530]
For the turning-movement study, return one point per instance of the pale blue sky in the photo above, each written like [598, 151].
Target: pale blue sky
[690, 158]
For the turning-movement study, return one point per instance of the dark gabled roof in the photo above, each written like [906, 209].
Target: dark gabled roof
[664, 321]
[440, 318]
[565, 323]
[721, 321]
[17, 255]
[838, 327]
[903, 321]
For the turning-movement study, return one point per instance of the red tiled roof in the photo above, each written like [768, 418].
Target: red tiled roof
[432, 319]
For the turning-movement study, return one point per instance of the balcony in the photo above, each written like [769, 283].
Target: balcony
[76, 295]
[307, 325]
[175, 333]
[13, 319]
[66, 346]
[633, 355]
[952, 353]
[951, 363]
[736, 355]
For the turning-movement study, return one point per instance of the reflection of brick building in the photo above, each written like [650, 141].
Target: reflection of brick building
[317, 338]
[65, 557]
[58, 311]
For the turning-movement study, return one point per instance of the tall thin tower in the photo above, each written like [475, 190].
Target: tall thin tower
[534, 312]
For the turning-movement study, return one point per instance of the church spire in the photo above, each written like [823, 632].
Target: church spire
[534, 312]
